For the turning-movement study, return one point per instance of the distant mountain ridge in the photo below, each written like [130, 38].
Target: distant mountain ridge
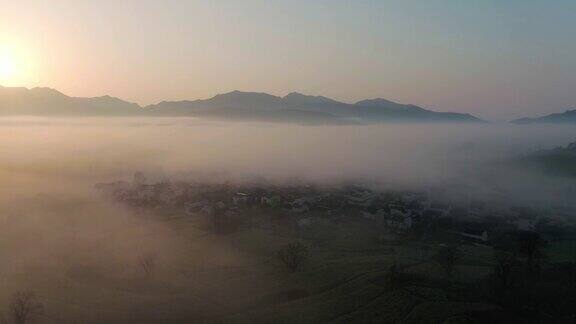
[567, 117]
[236, 105]
[255, 105]
[50, 102]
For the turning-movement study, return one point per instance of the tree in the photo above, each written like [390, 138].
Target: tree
[293, 255]
[24, 307]
[530, 247]
[139, 178]
[447, 257]
[147, 263]
[505, 273]
[527, 245]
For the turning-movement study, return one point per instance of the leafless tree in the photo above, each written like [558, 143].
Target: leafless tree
[505, 271]
[504, 268]
[530, 247]
[447, 257]
[147, 263]
[24, 307]
[293, 255]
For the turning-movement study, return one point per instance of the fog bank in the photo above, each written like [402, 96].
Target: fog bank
[55, 226]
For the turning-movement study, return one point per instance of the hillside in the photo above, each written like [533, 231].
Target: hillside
[567, 117]
[560, 161]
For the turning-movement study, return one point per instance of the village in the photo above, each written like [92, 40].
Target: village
[430, 214]
[337, 241]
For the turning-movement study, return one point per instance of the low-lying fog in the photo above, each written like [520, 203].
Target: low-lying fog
[50, 154]
[54, 225]
[84, 148]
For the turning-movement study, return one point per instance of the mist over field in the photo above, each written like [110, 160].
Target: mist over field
[80, 252]
[82, 151]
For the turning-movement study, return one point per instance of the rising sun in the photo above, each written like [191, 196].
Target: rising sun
[8, 67]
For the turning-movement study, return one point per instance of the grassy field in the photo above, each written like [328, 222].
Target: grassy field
[204, 277]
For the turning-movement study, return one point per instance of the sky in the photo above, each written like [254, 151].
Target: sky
[495, 59]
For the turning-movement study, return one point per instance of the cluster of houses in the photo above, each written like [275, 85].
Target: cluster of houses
[396, 212]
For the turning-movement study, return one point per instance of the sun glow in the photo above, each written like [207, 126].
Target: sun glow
[8, 67]
[15, 66]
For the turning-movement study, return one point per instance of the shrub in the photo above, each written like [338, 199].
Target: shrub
[24, 307]
[293, 255]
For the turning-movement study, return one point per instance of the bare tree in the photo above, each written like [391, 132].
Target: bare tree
[447, 257]
[530, 247]
[147, 263]
[24, 307]
[504, 272]
[293, 255]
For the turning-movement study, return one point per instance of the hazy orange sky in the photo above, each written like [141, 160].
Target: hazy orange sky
[496, 59]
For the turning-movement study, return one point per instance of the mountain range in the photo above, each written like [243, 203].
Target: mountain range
[298, 107]
[237, 105]
[50, 102]
[567, 117]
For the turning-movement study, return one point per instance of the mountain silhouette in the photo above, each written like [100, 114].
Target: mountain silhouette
[567, 117]
[235, 105]
[50, 102]
[253, 105]
[385, 110]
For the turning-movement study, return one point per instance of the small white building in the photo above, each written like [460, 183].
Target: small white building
[240, 198]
